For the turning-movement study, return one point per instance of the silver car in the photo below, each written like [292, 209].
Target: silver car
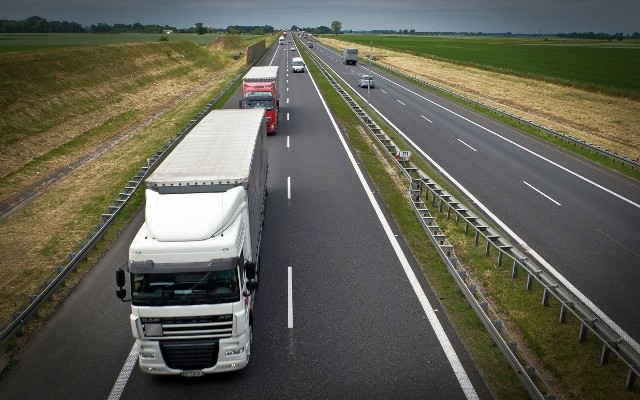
[366, 81]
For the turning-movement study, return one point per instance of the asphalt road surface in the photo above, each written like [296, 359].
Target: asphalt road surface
[359, 321]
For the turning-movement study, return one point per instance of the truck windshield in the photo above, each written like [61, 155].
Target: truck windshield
[258, 99]
[221, 286]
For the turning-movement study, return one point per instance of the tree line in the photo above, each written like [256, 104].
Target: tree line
[37, 24]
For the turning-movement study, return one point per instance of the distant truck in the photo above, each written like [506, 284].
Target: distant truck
[281, 40]
[260, 89]
[350, 56]
[193, 264]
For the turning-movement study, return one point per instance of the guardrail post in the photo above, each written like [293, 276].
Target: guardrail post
[546, 294]
[498, 325]
[631, 379]
[604, 356]
[563, 312]
[529, 282]
[582, 336]
[4, 359]
[515, 270]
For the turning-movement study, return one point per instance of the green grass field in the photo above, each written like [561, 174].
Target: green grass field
[35, 41]
[611, 67]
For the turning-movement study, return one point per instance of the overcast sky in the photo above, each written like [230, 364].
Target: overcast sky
[517, 16]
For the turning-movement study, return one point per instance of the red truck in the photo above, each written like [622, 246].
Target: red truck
[260, 89]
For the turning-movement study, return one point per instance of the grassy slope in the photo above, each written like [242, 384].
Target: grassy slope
[64, 103]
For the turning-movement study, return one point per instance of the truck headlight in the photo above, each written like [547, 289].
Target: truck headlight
[234, 352]
[148, 355]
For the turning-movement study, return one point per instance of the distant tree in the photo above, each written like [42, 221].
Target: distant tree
[200, 30]
[322, 30]
[336, 27]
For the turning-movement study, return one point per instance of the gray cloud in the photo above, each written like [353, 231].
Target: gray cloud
[518, 16]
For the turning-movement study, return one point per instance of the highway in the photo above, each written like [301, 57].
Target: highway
[342, 311]
[582, 219]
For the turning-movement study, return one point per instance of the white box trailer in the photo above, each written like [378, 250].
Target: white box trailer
[193, 264]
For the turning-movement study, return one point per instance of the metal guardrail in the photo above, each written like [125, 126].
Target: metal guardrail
[29, 308]
[609, 334]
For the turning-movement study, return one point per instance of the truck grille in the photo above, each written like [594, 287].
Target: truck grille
[214, 326]
[190, 355]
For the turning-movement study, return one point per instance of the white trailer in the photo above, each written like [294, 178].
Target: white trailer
[193, 264]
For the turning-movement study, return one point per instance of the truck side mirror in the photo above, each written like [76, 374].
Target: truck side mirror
[240, 103]
[121, 292]
[250, 267]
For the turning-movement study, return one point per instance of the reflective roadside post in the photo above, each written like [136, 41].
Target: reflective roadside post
[369, 82]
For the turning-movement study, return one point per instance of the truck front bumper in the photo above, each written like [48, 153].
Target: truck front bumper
[232, 355]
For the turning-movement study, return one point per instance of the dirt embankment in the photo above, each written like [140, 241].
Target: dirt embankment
[59, 106]
[608, 121]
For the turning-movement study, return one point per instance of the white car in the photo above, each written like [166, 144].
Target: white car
[297, 64]
[366, 81]
[293, 48]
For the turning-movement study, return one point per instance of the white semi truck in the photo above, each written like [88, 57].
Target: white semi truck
[193, 264]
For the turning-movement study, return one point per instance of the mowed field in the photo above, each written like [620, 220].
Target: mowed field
[611, 67]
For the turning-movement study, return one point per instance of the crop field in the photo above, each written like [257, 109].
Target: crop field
[610, 67]
[35, 41]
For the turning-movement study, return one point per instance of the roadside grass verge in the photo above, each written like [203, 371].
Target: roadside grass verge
[49, 228]
[571, 367]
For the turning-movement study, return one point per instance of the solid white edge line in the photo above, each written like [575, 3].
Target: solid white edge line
[289, 187]
[289, 298]
[539, 191]
[125, 372]
[452, 357]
